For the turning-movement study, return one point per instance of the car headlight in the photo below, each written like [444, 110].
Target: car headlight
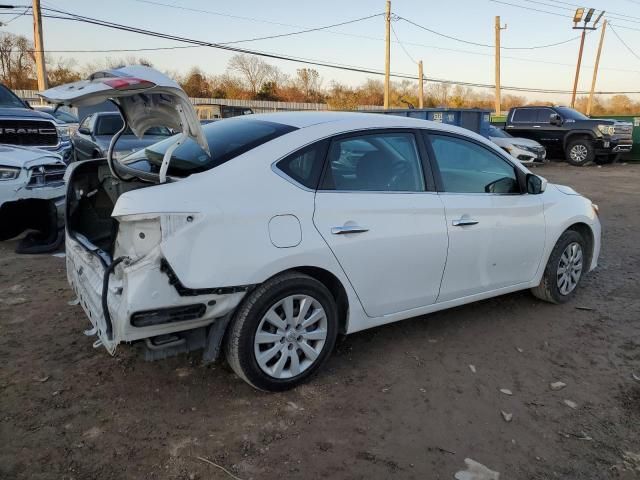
[521, 147]
[607, 129]
[596, 209]
[9, 173]
[64, 132]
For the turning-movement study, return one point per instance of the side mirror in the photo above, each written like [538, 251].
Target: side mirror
[84, 131]
[535, 184]
[555, 119]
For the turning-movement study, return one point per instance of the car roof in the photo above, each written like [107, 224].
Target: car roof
[349, 121]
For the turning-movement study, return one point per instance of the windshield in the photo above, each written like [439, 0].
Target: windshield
[9, 99]
[498, 133]
[111, 124]
[64, 117]
[571, 114]
[227, 139]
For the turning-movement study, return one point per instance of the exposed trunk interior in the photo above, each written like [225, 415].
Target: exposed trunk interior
[91, 197]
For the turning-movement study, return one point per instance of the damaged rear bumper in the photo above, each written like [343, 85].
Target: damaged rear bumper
[128, 300]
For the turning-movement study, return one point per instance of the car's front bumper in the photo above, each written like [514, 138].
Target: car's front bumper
[614, 145]
[528, 157]
[114, 298]
[63, 148]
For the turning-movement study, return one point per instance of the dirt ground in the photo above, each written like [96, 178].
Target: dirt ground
[399, 401]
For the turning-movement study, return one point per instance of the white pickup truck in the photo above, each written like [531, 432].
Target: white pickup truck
[32, 194]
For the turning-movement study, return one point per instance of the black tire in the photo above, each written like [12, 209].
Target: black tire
[240, 337]
[548, 289]
[582, 146]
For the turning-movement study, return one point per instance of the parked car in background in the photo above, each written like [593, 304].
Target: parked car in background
[63, 117]
[213, 111]
[95, 132]
[270, 234]
[23, 126]
[32, 195]
[567, 133]
[527, 151]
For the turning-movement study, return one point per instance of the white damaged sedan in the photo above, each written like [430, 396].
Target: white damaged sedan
[266, 236]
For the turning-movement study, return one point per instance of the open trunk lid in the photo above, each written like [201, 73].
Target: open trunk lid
[146, 98]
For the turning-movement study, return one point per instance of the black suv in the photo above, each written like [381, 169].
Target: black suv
[567, 132]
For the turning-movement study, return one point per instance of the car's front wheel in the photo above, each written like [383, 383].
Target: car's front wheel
[282, 332]
[580, 152]
[564, 270]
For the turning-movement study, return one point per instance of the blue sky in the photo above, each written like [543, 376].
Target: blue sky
[362, 43]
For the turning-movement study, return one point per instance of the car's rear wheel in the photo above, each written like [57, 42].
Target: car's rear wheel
[565, 268]
[282, 332]
[580, 152]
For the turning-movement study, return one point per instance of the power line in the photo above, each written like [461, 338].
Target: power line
[531, 9]
[575, 5]
[366, 37]
[535, 47]
[395, 34]
[17, 16]
[74, 17]
[624, 43]
[612, 15]
[308, 30]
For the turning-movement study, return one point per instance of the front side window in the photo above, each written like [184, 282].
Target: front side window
[524, 115]
[466, 167]
[544, 115]
[375, 162]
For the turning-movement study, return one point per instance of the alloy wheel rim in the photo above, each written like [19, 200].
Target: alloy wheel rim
[579, 153]
[290, 336]
[569, 268]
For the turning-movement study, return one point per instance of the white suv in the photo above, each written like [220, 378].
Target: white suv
[266, 236]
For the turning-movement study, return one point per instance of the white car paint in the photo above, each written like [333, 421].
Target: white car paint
[26, 161]
[524, 150]
[244, 221]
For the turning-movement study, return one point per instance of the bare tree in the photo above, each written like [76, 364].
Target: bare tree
[309, 82]
[61, 71]
[17, 63]
[196, 84]
[253, 70]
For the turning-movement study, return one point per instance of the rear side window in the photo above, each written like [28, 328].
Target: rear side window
[524, 115]
[384, 162]
[305, 166]
[226, 138]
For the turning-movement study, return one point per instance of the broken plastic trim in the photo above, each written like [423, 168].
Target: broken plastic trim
[161, 316]
[105, 290]
[192, 292]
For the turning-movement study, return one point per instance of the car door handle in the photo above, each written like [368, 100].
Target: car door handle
[537, 126]
[348, 229]
[461, 222]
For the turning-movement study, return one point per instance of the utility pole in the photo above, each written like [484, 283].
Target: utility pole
[577, 19]
[595, 68]
[39, 46]
[498, 28]
[387, 56]
[420, 85]
[575, 81]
